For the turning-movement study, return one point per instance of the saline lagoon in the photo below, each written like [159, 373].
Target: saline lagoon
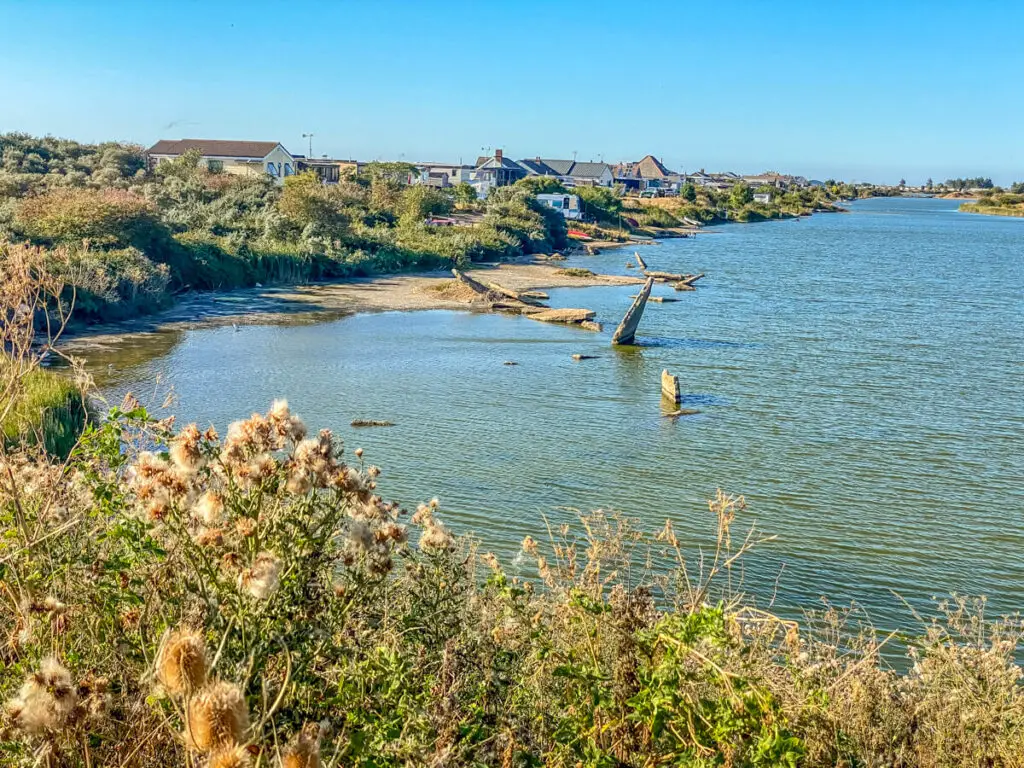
[859, 378]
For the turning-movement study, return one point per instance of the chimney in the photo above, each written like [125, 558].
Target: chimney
[497, 156]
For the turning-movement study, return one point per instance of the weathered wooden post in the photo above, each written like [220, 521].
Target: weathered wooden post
[670, 387]
[626, 332]
[639, 260]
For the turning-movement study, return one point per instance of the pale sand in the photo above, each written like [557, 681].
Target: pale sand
[324, 301]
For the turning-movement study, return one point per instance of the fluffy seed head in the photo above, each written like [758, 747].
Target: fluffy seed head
[217, 717]
[210, 508]
[263, 578]
[231, 756]
[304, 751]
[181, 664]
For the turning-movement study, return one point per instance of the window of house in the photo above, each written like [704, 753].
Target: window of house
[288, 169]
[215, 166]
[272, 169]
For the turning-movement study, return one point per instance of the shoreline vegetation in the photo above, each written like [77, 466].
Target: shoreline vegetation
[137, 240]
[170, 596]
[1004, 204]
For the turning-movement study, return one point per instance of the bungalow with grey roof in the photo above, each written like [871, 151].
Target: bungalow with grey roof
[238, 157]
[570, 172]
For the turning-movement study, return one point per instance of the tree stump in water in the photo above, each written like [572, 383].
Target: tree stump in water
[626, 332]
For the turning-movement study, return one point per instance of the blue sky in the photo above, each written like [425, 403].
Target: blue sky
[859, 90]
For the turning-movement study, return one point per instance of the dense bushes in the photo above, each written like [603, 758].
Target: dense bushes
[251, 598]
[184, 227]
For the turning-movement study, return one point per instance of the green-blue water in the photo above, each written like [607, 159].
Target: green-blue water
[859, 379]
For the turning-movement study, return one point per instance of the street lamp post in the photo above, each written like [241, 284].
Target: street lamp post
[310, 137]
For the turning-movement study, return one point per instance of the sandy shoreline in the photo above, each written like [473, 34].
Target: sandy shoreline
[324, 301]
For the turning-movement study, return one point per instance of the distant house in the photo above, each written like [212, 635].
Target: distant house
[651, 168]
[498, 171]
[719, 181]
[570, 172]
[537, 167]
[330, 171]
[592, 174]
[777, 180]
[442, 174]
[567, 205]
[763, 197]
[238, 157]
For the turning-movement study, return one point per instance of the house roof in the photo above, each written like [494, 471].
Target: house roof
[214, 147]
[624, 170]
[651, 168]
[538, 167]
[560, 167]
[492, 162]
[588, 170]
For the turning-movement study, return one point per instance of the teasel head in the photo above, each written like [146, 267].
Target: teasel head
[181, 665]
[229, 756]
[217, 717]
[304, 750]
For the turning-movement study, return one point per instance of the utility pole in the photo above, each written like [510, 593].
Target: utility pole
[310, 137]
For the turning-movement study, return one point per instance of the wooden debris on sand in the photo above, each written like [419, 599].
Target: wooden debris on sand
[626, 332]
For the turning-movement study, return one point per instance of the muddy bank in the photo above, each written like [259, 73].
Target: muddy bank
[326, 301]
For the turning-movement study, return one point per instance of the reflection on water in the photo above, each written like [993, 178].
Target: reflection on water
[849, 382]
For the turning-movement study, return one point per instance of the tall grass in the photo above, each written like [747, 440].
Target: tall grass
[50, 411]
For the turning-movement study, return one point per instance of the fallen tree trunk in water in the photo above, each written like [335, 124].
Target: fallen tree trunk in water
[372, 423]
[569, 316]
[626, 332]
[673, 277]
[640, 261]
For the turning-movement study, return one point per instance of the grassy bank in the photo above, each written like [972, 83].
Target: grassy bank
[996, 204]
[48, 410]
[251, 600]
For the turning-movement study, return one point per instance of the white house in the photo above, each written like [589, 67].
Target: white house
[763, 197]
[238, 157]
[443, 174]
[567, 205]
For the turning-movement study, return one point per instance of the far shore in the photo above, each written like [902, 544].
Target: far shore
[317, 302]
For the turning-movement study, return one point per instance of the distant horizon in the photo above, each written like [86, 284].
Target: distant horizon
[865, 94]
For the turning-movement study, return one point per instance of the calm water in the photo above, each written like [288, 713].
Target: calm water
[859, 379]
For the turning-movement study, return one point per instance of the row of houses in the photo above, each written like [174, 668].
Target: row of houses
[648, 176]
